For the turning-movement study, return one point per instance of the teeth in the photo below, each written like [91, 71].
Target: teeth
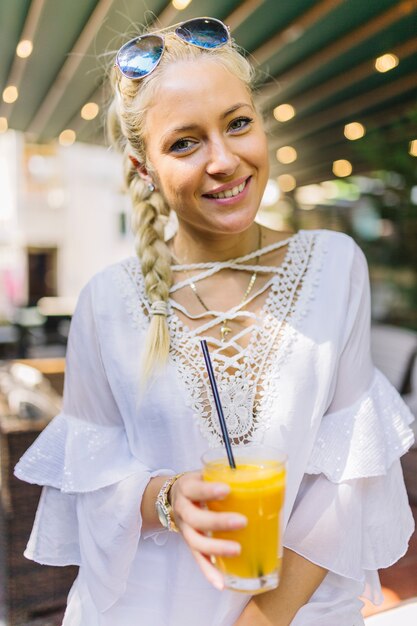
[229, 193]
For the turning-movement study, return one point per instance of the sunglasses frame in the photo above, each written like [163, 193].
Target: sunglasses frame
[161, 38]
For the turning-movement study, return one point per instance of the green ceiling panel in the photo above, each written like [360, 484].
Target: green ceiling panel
[59, 28]
[346, 17]
[270, 18]
[210, 8]
[387, 39]
[12, 17]
[119, 26]
[367, 85]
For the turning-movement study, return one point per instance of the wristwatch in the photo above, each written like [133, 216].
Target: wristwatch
[163, 506]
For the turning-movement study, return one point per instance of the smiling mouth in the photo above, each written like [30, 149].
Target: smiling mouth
[229, 193]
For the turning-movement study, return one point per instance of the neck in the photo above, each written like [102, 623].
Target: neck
[214, 247]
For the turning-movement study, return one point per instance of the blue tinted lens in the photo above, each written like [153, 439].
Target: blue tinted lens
[140, 56]
[205, 33]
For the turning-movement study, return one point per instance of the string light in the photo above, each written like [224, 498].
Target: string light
[67, 137]
[180, 4]
[354, 131]
[386, 62]
[286, 154]
[284, 112]
[287, 182]
[342, 168]
[24, 48]
[89, 111]
[3, 124]
[413, 148]
[10, 94]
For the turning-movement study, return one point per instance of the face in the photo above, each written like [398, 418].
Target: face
[207, 148]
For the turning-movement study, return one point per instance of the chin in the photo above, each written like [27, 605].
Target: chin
[236, 224]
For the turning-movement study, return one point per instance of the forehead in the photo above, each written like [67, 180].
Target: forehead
[195, 88]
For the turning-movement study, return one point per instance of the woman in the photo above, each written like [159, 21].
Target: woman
[287, 320]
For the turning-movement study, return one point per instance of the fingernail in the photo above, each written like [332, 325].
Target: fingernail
[218, 584]
[237, 521]
[221, 490]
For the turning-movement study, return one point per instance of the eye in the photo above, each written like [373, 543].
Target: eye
[182, 145]
[240, 123]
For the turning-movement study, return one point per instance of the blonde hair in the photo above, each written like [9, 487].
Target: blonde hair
[126, 129]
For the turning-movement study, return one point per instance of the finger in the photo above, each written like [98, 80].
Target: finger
[210, 572]
[208, 545]
[199, 490]
[208, 521]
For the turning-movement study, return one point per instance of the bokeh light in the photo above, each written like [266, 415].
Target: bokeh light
[10, 94]
[354, 130]
[386, 62]
[24, 48]
[286, 154]
[67, 137]
[287, 182]
[180, 4]
[89, 111]
[271, 193]
[342, 168]
[284, 112]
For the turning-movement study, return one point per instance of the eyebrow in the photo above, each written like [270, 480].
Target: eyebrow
[235, 107]
[188, 127]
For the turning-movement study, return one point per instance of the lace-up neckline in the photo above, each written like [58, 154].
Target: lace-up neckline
[247, 375]
[217, 317]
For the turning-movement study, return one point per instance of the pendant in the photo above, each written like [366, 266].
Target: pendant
[224, 330]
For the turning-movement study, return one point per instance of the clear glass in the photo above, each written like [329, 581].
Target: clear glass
[257, 491]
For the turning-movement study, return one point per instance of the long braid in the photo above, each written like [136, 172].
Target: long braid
[148, 221]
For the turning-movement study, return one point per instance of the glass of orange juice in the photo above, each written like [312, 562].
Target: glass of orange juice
[257, 491]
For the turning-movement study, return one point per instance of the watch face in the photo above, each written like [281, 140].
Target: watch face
[162, 515]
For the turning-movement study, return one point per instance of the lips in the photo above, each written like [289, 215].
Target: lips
[228, 191]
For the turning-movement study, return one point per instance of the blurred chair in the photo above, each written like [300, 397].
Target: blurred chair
[27, 590]
[411, 396]
[394, 352]
[30, 324]
[9, 341]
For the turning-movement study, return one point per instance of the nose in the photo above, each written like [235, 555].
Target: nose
[222, 160]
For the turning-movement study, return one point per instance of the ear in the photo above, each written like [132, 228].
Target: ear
[141, 170]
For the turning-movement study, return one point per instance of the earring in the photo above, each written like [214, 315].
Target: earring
[151, 187]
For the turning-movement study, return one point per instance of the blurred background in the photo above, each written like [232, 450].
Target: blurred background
[337, 84]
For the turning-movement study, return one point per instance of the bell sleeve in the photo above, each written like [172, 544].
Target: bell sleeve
[351, 515]
[89, 510]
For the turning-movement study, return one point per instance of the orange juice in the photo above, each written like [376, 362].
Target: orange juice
[257, 491]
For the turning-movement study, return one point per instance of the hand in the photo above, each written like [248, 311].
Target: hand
[188, 496]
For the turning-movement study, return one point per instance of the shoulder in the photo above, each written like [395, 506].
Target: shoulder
[332, 238]
[333, 241]
[109, 285]
[338, 264]
[339, 248]
[112, 275]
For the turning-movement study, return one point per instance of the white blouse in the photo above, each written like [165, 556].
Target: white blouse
[305, 384]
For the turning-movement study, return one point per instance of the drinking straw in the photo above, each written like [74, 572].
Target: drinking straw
[218, 403]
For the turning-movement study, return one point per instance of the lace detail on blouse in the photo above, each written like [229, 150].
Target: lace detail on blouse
[247, 380]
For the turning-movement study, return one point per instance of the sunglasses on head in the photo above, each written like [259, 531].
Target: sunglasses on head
[140, 56]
